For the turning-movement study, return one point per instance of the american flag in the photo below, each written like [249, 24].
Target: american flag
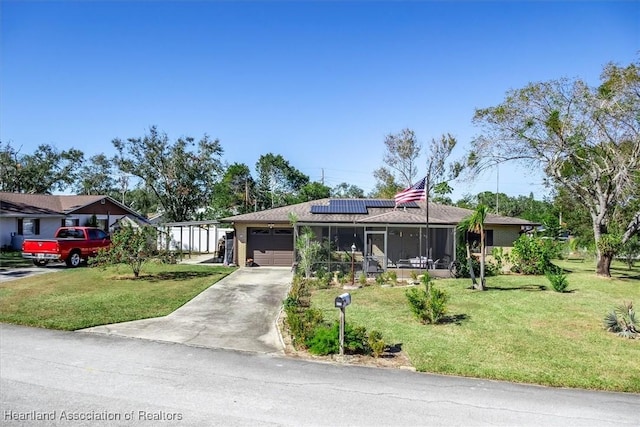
[414, 193]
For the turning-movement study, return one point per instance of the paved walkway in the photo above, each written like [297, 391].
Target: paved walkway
[239, 312]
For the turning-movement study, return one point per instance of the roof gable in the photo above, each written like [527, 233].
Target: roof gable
[14, 204]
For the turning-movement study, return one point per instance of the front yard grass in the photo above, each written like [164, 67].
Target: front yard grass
[518, 330]
[84, 297]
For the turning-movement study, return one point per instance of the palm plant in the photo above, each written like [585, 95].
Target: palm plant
[622, 321]
[475, 224]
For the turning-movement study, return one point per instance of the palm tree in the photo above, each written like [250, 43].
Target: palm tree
[475, 224]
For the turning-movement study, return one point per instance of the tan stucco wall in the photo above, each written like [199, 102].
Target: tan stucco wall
[241, 242]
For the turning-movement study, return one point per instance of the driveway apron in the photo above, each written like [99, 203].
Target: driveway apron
[239, 312]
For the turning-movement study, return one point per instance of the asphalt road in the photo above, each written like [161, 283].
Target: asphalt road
[76, 378]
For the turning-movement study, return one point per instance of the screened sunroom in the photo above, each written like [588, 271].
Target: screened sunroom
[373, 249]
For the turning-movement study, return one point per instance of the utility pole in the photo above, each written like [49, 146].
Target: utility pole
[497, 188]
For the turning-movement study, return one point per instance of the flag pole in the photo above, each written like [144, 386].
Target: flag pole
[426, 202]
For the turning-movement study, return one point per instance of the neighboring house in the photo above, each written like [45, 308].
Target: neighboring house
[382, 235]
[39, 215]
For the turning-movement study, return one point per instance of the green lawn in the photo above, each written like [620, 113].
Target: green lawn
[515, 331]
[83, 297]
[13, 259]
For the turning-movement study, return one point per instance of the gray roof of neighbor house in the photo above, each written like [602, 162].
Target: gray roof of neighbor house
[15, 204]
[368, 211]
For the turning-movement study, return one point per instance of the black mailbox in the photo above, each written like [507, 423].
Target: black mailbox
[343, 300]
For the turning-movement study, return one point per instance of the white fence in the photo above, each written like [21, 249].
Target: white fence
[192, 237]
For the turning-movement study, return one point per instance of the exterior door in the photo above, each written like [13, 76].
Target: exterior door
[375, 250]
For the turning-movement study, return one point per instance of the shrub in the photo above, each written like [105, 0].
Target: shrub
[392, 276]
[362, 279]
[355, 339]
[558, 280]
[302, 324]
[323, 275]
[376, 343]
[299, 292]
[428, 304]
[326, 340]
[622, 321]
[380, 279]
[499, 255]
[532, 255]
[414, 276]
[308, 250]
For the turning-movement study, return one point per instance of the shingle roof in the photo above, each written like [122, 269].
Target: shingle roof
[438, 214]
[46, 204]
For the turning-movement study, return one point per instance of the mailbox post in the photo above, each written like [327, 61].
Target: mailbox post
[342, 302]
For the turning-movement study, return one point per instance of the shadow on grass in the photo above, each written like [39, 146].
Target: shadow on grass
[625, 273]
[172, 276]
[454, 318]
[518, 288]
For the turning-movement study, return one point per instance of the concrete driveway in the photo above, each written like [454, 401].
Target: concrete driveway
[239, 312]
[14, 273]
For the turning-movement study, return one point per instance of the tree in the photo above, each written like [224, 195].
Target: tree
[347, 191]
[181, 174]
[475, 223]
[9, 168]
[141, 200]
[386, 186]
[96, 177]
[43, 172]
[439, 171]
[277, 181]
[130, 246]
[401, 153]
[231, 196]
[586, 139]
[311, 191]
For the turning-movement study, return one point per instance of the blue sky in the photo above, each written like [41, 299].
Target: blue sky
[321, 83]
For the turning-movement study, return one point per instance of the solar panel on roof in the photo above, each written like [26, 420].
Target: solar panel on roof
[315, 209]
[348, 206]
[356, 206]
[379, 203]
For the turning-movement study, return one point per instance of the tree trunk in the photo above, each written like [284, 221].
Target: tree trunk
[481, 286]
[603, 267]
[474, 283]
[602, 264]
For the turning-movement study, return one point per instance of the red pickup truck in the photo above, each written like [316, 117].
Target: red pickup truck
[70, 244]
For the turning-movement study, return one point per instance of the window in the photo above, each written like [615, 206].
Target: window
[70, 222]
[260, 231]
[474, 238]
[29, 226]
[283, 231]
[95, 234]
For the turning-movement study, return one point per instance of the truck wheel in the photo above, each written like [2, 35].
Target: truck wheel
[40, 263]
[74, 259]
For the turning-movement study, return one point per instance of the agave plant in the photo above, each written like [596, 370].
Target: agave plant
[622, 320]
